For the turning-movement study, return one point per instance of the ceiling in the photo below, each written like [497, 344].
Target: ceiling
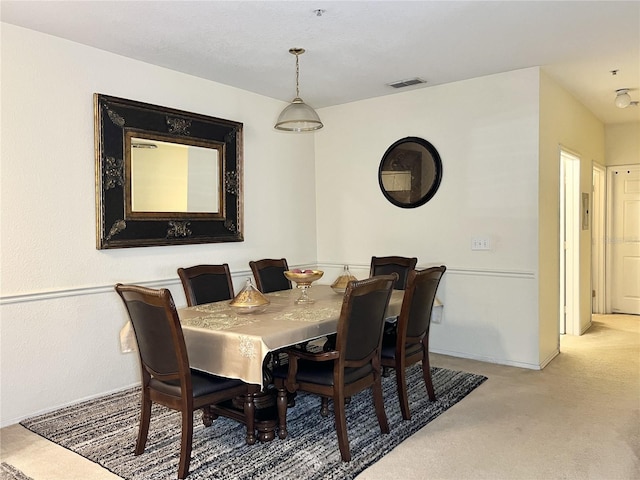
[355, 48]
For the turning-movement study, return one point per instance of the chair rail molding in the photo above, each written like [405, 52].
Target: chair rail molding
[524, 274]
[238, 276]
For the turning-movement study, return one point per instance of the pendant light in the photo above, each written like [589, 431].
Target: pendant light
[298, 116]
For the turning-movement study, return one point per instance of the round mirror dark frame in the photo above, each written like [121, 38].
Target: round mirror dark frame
[410, 172]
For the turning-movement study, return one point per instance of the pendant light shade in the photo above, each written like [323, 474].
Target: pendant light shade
[298, 116]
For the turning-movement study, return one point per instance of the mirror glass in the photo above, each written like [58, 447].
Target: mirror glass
[169, 178]
[410, 172]
[165, 176]
[188, 172]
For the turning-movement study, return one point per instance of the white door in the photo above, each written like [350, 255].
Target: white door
[625, 238]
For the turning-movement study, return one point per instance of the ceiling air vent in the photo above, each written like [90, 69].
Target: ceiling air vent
[406, 83]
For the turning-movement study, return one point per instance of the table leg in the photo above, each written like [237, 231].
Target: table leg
[250, 413]
[282, 403]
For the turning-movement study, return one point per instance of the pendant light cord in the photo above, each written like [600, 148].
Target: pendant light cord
[297, 77]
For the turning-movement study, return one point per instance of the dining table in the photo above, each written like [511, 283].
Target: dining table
[223, 341]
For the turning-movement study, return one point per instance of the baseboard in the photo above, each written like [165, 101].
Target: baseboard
[485, 359]
[550, 357]
[586, 327]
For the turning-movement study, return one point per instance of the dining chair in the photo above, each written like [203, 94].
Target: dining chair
[269, 274]
[385, 265]
[206, 283]
[166, 376]
[399, 265]
[353, 366]
[408, 343]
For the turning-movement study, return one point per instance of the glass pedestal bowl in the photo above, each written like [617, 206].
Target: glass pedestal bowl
[303, 281]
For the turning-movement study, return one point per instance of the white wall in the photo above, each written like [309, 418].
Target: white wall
[622, 143]
[564, 122]
[486, 131]
[60, 318]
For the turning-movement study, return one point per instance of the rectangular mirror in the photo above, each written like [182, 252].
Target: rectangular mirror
[165, 176]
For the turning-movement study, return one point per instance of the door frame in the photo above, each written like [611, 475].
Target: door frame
[598, 239]
[570, 198]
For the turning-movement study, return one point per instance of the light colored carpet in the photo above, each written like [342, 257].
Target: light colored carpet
[576, 419]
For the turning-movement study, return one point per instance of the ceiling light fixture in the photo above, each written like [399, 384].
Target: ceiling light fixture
[298, 116]
[623, 99]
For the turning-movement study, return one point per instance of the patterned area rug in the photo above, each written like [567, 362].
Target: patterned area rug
[9, 472]
[104, 430]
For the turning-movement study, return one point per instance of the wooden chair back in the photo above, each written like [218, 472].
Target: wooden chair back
[360, 327]
[414, 320]
[206, 283]
[269, 274]
[155, 322]
[393, 264]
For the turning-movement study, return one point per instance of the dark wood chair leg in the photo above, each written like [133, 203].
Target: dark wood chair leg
[426, 374]
[378, 401]
[185, 443]
[145, 417]
[341, 427]
[401, 385]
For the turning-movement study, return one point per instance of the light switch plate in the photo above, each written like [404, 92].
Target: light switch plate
[480, 243]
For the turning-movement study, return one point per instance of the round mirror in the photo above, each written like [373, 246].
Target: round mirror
[410, 172]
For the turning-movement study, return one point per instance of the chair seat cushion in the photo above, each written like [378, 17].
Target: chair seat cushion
[202, 384]
[322, 372]
[389, 347]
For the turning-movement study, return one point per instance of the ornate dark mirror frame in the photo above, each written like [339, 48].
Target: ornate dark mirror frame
[418, 168]
[117, 120]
